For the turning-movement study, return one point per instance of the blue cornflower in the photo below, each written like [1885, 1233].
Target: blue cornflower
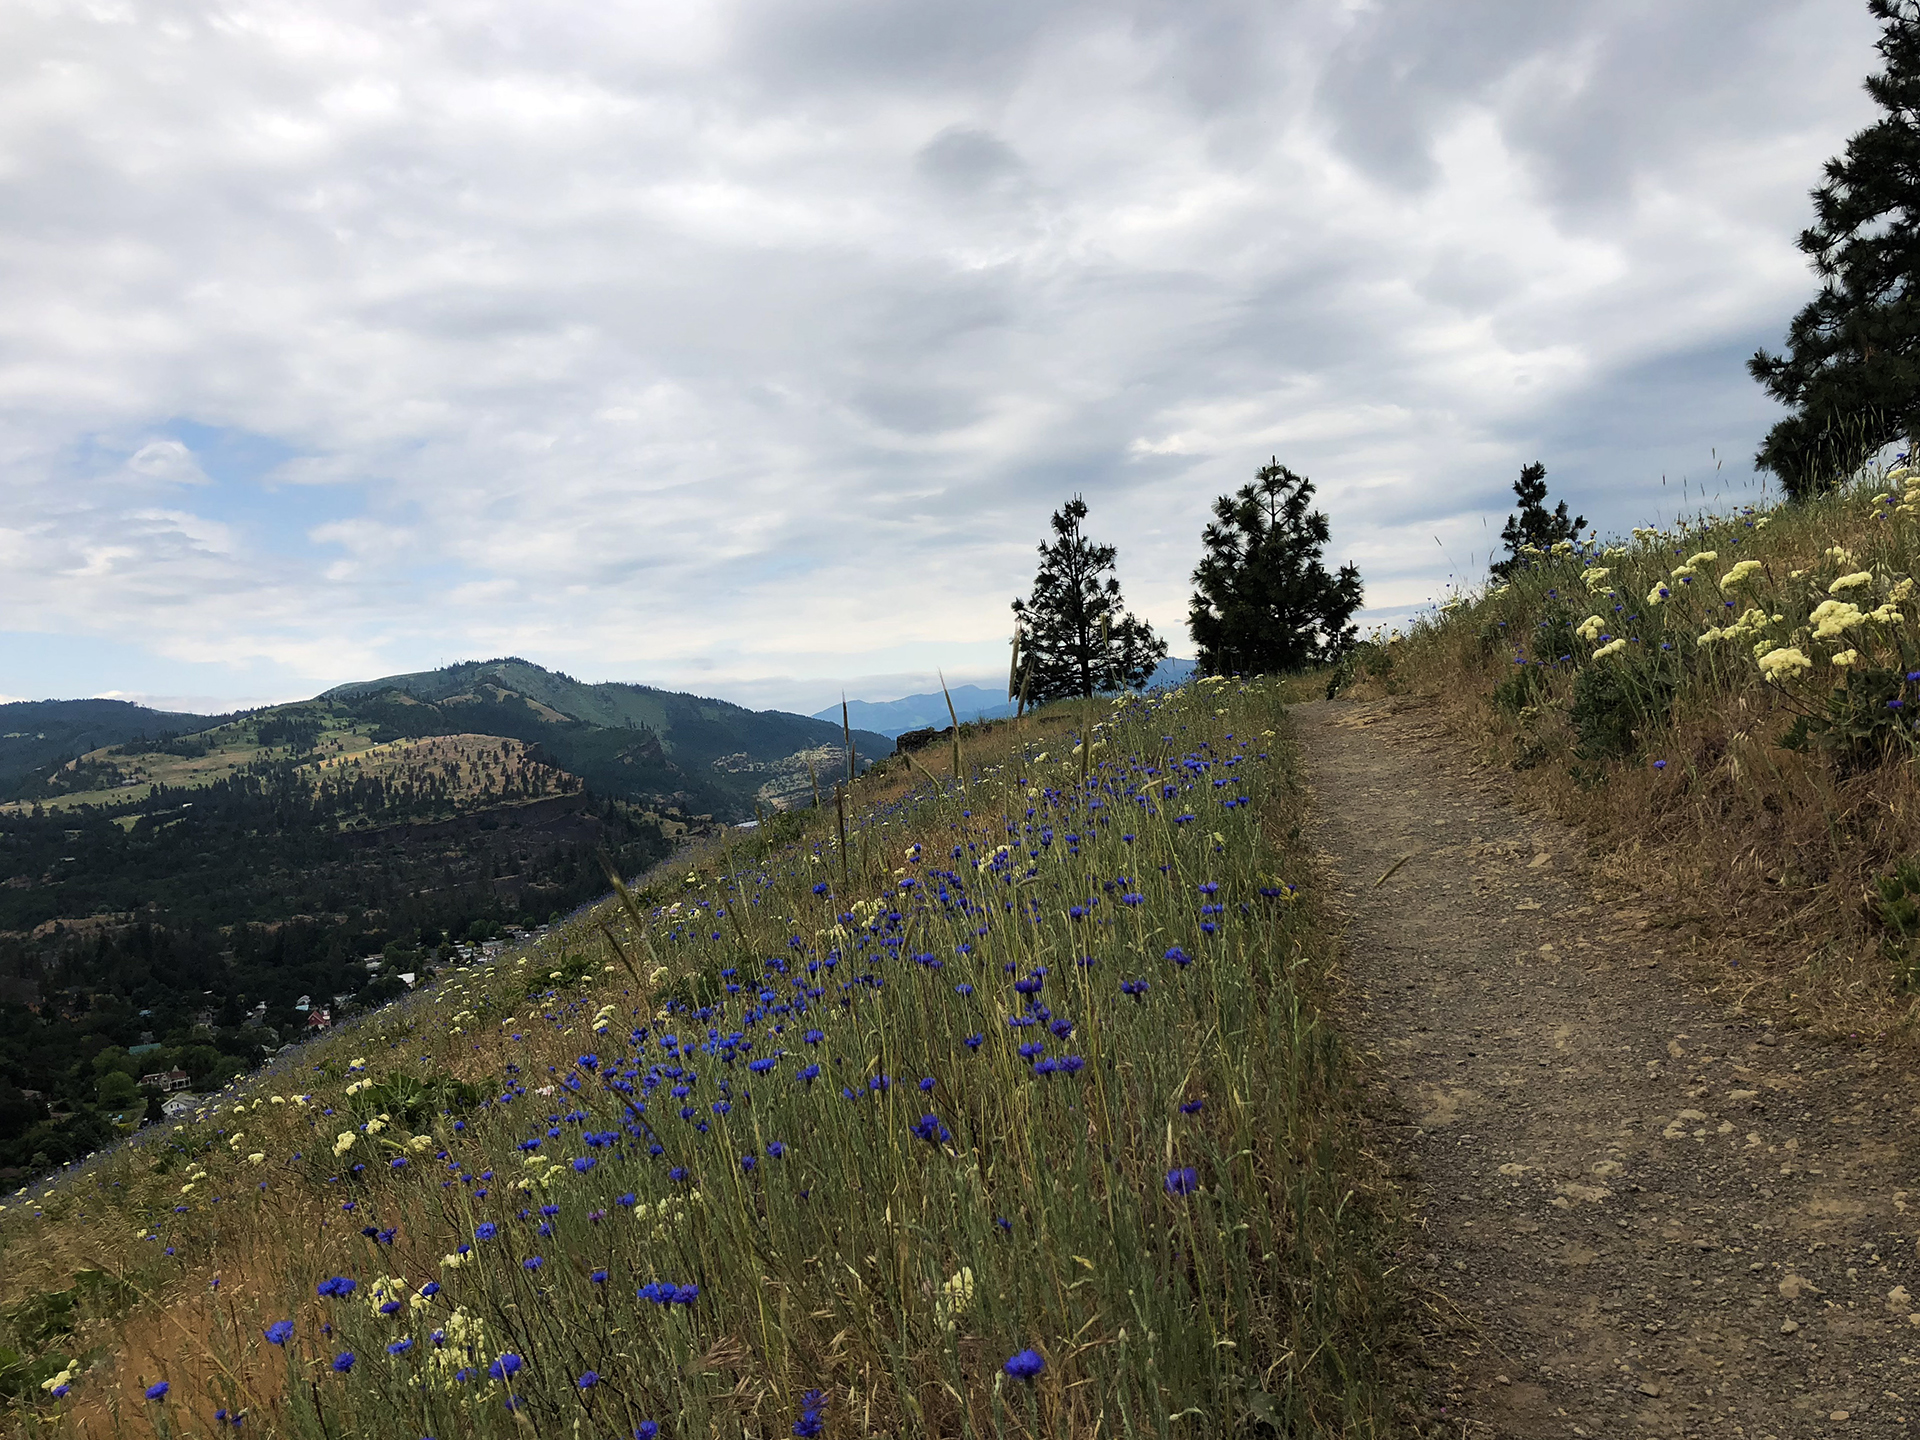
[1024, 1364]
[972, 1042]
[1191, 1107]
[646, 1430]
[485, 1230]
[747, 1162]
[1179, 956]
[1030, 984]
[814, 1037]
[343, 1362]
[1182, 1180]
[926, 1085]
[506, 1365]
[339, 1285]
[279, 1332]
[401, 1346]
[532, 1262]
[598, 1277]
[809, 1074]
[963, 989]
[929, 1129]
[158, 1391]
[588, 1379]
[811, 1422]
[775, 1149]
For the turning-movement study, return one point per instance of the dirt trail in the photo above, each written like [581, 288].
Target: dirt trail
[1652, 1216]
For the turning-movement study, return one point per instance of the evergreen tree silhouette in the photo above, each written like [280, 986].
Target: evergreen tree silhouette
[1263, 601]
[1535, 525]
[1076, 634]
[1851, 371]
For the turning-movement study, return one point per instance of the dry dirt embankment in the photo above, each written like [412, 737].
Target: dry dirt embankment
[1642, 1213]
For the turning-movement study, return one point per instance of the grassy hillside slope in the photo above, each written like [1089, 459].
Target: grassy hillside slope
[38, 733]
[1007, 1109]
[1729, 708]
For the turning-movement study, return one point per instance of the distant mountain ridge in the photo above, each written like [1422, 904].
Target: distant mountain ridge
[35, 733]
[893, 718]
[630, 741]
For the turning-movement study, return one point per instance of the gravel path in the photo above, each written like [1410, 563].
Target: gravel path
[1643, 1214]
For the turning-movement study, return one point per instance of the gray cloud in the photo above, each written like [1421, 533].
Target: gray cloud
[701, 343]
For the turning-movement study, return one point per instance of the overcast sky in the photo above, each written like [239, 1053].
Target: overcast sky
[746, 347]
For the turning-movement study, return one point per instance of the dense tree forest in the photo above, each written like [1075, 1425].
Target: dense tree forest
[206, 904]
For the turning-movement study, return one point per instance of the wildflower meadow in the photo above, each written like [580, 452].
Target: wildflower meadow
[998, 1101]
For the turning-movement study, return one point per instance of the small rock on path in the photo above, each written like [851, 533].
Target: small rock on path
[1641, 1213]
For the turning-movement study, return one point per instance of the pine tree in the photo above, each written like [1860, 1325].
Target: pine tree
[1535, 527]
[1851, 374]
[1263, 601]
[1076, 636]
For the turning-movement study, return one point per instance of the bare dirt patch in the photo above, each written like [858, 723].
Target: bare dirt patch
[1641, 1212]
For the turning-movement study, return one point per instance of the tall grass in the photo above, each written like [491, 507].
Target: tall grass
[1728, 706]
[1010, 1113]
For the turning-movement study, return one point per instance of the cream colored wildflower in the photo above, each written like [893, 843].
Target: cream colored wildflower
[1740, 574]
[1784, 663]
[1590, 628]
[1613, 647]
[1886, 615]
[1901, 592]
[1705, 557]
[345, 1142]
[1845, 658]
[1839, 555]
[956, 1296]
[1596, 577]
[258, 1157]
[1658, 595]
[1684, 572]
[1850, 582]
[1832, 618]
[65, 1377]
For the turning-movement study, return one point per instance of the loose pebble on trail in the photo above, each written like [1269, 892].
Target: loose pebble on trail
[1638, 1211]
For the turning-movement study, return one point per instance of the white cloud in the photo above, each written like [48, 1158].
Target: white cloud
[706, 343]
